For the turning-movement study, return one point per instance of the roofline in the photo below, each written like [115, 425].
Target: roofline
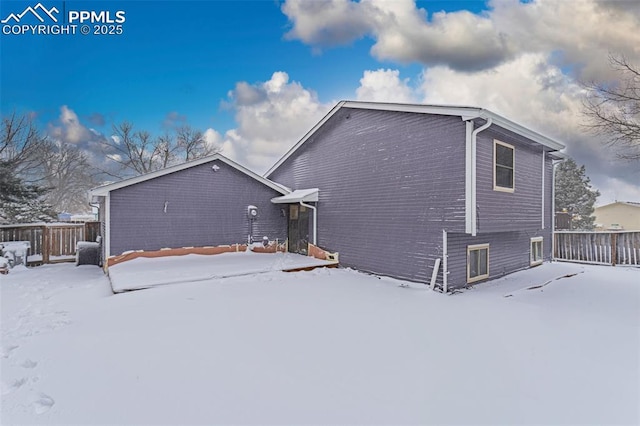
[626, 203]
[105, 189]
[464, 112]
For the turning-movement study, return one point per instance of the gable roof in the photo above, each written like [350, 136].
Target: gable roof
[105, 189]
[464, 112]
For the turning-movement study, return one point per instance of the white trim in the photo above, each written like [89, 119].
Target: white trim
[105, 189]
[315, 221]
[531, 243]
[513, 177]
[107, 227]
[543, 173]
[297, 196]
[465, 112]
[475, 247]
[445, 266]
[468, 179]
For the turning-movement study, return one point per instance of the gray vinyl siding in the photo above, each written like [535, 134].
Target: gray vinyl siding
[508, 252]
[505, 211]
[204, 208]
[390, 182]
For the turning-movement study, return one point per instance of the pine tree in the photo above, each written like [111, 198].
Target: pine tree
[575, 195]
[21, 202]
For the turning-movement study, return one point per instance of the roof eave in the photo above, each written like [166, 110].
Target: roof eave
[105, 189]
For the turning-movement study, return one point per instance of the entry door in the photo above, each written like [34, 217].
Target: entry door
[298, 228]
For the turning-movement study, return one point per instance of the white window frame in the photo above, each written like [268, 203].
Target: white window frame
[513, 182]
[534, 241]
[476, 247]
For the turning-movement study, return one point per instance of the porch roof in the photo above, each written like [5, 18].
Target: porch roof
[309, 195]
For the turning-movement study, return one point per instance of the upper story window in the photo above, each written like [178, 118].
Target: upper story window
[503, 166]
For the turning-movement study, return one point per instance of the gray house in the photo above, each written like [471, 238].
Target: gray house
[459, 194]
[400, 186]
[212, 201]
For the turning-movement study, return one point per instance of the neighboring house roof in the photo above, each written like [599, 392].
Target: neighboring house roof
[465, 112]
[105, 189]
[626, 203]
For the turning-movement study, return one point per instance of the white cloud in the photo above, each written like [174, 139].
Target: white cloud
[401, 31]
[69, 128]
[614, 189]
[580, 34]
[271, 117]
[385, 86]
[212, 137]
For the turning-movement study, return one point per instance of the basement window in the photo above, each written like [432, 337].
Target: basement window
[477, 262]
[536, 251]
[503, 166]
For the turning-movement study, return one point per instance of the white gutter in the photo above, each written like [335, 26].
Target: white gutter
[474, 206]
[315, 220]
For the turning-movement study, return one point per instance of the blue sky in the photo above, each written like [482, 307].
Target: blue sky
[212, 63]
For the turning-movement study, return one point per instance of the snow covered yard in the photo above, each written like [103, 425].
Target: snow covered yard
[152, 272]
[326, 346]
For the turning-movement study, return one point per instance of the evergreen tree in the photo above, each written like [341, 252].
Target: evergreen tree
[21, 202]
[575, 195]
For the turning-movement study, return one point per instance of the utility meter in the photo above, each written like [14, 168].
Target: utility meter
[252, 211]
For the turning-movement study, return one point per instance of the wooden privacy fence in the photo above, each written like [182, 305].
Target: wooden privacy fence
[51, 243]
[604, 248]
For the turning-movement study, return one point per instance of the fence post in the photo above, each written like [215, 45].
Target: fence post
[614, 250]
[45, 244]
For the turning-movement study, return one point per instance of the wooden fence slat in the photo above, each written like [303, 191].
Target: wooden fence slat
[616, 247]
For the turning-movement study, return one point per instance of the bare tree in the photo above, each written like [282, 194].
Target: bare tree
[69, 176]
[613, 109]
[137, 152]
[22, 148]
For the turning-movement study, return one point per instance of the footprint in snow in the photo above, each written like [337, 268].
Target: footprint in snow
[43, 403]
[27, 363]
[6, 350]
[15, 385]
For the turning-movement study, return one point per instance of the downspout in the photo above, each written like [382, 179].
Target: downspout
[445, 256]
[474, 206]
[107, 228]
[315, 222]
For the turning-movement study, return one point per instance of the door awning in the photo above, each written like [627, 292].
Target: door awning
[308, 195]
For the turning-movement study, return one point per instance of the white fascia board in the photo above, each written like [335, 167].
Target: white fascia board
[304, 138]
[299, 195]
[105, 189]
[521, 130]
[466, 112]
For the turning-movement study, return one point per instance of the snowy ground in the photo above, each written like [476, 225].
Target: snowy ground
[144, 272]
[326, 346]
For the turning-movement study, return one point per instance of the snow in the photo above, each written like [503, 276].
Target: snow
[330, 346]
[151, 272]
